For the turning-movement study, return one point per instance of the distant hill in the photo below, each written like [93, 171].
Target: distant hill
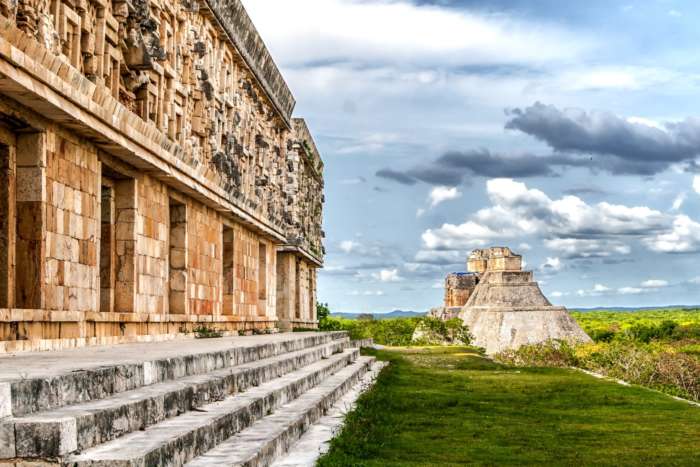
[394, 314]
[638, 308]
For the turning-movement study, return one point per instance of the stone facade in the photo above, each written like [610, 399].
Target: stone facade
[459, 287]
[505, 307]
[153, 179]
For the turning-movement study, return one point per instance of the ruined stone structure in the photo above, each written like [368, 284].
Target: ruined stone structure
[459, 287]
[153, 180]
[505, 307]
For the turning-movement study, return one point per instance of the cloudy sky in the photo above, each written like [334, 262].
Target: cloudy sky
[569, 131]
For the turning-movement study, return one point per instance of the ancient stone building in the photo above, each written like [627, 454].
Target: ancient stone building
[459, 286]
[153, 179]
[503, 305]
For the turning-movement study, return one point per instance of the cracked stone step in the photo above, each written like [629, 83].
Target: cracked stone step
[177, 440]
[270, 437]
[75, 383]
[62, 431]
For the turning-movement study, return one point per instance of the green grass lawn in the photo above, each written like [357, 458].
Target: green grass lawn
[450, 406]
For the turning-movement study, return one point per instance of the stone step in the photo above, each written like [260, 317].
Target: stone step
[47, 388]
[270, 437]
[78, 427]
[177, 440]
[315, 442]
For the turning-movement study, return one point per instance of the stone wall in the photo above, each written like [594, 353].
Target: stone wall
[305, 185]
[151, 252]
[151, 172]
[458, 289]
[72, 225]
[195, 81]
[494, 259]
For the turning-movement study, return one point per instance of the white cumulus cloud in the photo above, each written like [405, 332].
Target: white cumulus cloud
[387, 275]
[440, 194]
[518, 211]
[683, 237]
[366, 293]
[655, 284]
[348, 246]
[678, 202]
[587, 248]
[598, 289]
[552, 265]
[305, 31]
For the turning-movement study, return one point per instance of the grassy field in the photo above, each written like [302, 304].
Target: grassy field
[450, 406]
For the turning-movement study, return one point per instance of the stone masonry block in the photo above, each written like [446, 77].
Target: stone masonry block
[178, 258]
[31, 150]
[30, 184]
[7, 440]
[5, 400]
[50, 438]
[150, 373]
[178, 280]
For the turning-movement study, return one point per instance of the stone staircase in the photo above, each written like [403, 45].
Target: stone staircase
[226, 405]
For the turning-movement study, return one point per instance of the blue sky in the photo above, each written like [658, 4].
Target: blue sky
[566, 130]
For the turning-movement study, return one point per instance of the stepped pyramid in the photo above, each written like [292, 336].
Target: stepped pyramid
[505, 307]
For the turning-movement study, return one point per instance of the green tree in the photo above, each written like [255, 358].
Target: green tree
[322, 311]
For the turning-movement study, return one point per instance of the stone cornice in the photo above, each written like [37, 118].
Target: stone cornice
[234, 20]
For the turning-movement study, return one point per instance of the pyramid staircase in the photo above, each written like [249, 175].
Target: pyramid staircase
[238, 405]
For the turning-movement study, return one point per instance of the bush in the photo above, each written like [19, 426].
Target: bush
[434, 331]
[652, 365]
[393, 332]
[602, 335]
[647, 332]
[553, 353]
[679, 372]
[396, 332]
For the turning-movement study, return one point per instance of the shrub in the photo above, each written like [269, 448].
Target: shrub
[553, 353]
[322, 311]
[647, 332]
[653, 365]
[602, 335]
[680, 372]
[458, 332]
[399, 332]
[393, 332]
[434, 331]
[204, 332]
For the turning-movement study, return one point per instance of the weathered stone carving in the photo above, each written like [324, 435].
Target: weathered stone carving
[151, 105]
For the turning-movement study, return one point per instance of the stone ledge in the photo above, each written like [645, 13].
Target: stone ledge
[501, 309]
[48, 316]
[234, 20]
[303, 252]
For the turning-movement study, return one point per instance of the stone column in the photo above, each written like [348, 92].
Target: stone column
[312, 293]
[30, 246]
[7, 225]
[178, 259]
[286, 290]
[125, 212]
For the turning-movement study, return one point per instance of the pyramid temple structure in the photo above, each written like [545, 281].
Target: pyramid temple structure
[503, 305]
